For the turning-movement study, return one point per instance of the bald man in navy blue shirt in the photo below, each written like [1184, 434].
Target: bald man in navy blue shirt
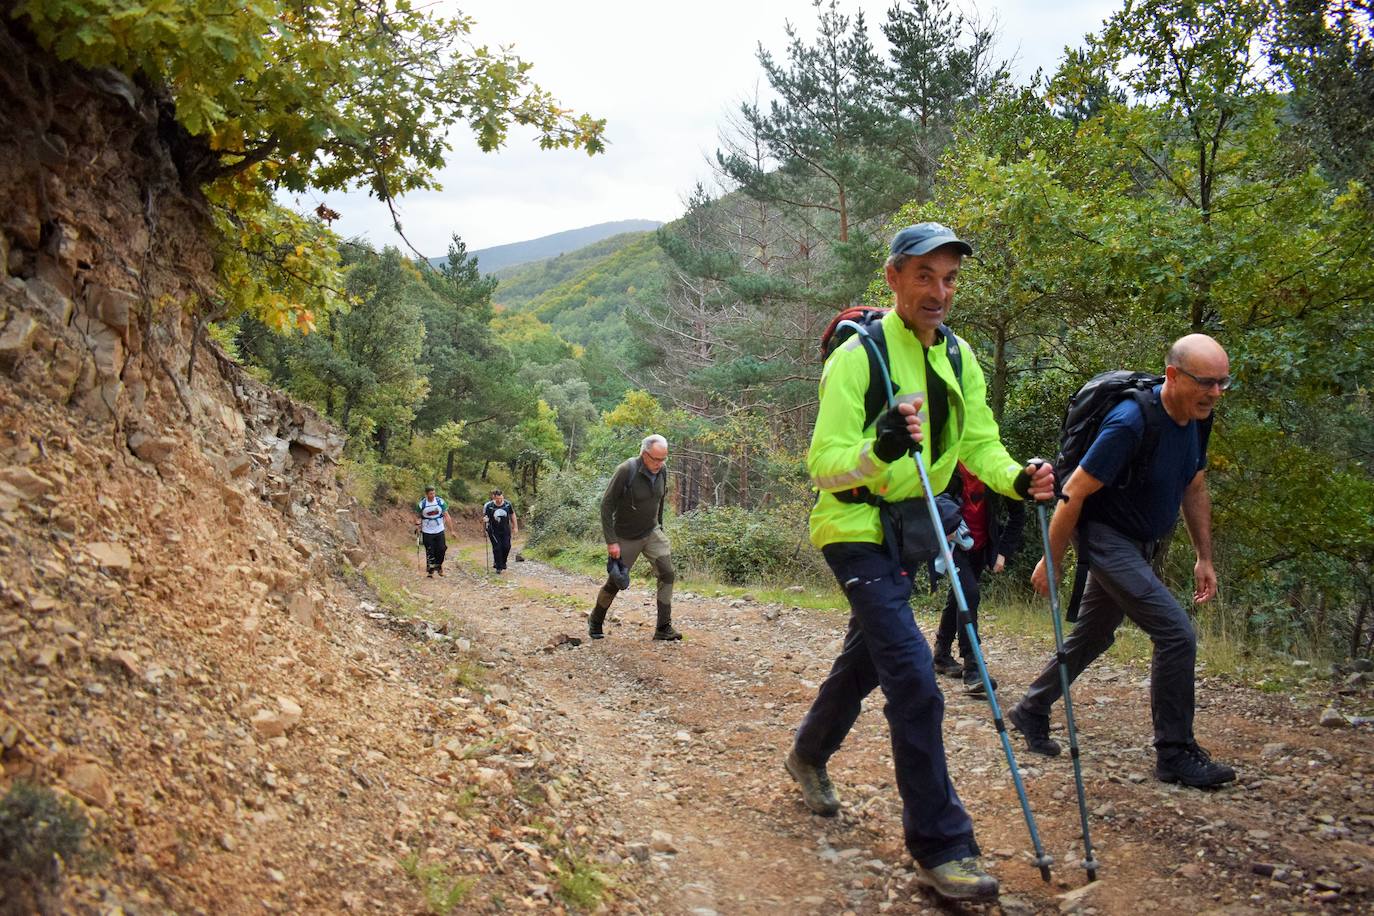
[1117, 511]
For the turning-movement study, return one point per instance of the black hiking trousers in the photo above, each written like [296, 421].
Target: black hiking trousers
[435, 548]
[500, 546]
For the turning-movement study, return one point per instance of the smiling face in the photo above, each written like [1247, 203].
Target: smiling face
[924, 289]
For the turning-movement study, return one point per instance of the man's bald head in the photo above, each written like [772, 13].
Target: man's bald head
[1198, 371]
[1194, 347]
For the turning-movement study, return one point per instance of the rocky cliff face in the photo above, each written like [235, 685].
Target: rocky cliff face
[170, 530]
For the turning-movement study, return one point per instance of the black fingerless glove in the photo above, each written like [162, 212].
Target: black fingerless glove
[893, 438]
[1022, 484]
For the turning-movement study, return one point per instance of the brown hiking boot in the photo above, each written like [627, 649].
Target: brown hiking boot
[817, 791]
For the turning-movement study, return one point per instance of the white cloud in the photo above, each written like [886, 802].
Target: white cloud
[665, 77]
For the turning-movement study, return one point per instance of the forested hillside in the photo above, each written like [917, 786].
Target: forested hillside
[585, 294]
[502, 258]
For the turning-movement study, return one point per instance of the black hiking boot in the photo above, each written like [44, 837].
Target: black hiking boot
[594, 622]
[973, 683]
[1036, 730]
[945, 663]
[1191, 766]
[817, 791]
[665, 630]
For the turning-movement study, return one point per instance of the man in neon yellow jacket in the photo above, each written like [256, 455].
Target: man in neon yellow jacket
[859, 465]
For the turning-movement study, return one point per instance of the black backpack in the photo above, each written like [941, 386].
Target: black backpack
[1088, 407]
[871, 320]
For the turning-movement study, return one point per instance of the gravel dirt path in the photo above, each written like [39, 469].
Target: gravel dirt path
[678, 748]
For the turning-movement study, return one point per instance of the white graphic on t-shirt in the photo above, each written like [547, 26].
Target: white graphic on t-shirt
[432, 515]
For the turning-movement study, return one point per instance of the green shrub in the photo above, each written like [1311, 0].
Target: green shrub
[567, 509]
[41, 835]
[747, 546]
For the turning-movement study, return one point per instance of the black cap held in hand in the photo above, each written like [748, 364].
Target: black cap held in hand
[619, 575]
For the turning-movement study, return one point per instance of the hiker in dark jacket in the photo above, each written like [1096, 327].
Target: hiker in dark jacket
[994, 524]
[1118, 506]
[632, 523]
[498, 518]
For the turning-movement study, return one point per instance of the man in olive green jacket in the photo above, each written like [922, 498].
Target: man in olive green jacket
[632, 523]
[945, 414]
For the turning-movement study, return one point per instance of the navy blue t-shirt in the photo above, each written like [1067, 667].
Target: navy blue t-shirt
[1148, 507]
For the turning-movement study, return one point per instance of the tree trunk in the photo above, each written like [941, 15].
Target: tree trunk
[448, 464]
[998, 395]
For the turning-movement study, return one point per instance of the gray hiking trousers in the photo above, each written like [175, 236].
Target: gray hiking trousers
[657, 551]
[1122, 584]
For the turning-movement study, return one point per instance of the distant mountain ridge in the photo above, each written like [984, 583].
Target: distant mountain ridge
[549, 246]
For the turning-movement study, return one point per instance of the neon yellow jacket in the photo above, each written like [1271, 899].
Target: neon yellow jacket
[841, 454]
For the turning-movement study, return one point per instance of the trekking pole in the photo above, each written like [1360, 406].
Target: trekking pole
[1042, 859]
[1089, 863]
[486, 549]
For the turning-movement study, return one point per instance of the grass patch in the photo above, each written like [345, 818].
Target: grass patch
[465, 801]
[393, 595]
[590, 560]
[468, 675]
[442, 891]
[42, 835]
[530, 791]
[580, 884]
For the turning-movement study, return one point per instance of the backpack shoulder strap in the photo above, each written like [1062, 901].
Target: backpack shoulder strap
[875, 397]
[630, 477]
[954, 354]
[1152, 413]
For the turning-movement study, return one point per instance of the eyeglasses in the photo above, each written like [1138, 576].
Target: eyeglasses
[1223, 382]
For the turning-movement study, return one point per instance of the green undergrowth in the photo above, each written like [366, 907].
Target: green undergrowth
[442, 889]
[43, 836]
[1221, 652]
[392, 594]
[590, 560]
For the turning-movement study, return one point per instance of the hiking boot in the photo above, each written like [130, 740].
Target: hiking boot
[1036, 730]
[817, 791]
[973, 683]
[1191, 766]
[440, 571]
[962, 879]
[594, 621]
[429, 574]
[667, 633]
[945, 663]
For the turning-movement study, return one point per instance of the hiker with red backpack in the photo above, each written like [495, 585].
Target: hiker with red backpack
[871, 524]
[1145, 461]
[995, 525]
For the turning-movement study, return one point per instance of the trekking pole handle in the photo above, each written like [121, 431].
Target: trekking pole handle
[1059, 496]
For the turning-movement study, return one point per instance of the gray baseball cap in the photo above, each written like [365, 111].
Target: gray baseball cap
[924, 238]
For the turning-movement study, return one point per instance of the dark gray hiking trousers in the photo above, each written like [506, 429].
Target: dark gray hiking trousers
[1122, 584]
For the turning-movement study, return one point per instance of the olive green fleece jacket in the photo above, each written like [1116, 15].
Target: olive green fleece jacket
[841, 454]
[633, 512]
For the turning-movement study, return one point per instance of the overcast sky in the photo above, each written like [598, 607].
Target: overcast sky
[665, 77]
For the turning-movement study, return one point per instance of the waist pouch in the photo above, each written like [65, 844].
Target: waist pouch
[909, 533]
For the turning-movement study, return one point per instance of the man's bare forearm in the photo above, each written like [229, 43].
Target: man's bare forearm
[1197, 515]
